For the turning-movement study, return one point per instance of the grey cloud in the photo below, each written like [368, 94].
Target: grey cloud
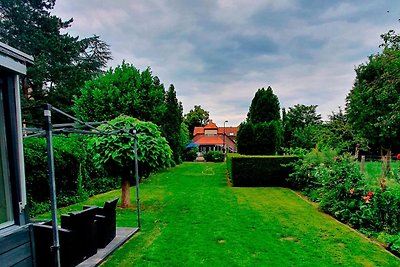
[218, 54]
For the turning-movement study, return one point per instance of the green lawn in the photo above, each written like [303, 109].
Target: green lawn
[191, 217]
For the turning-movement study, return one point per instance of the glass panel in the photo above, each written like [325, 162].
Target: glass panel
[6, 215]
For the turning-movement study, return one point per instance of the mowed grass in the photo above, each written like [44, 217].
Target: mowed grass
[190, 217]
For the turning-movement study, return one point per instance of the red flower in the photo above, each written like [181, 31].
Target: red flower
[367, 198]
[352, 191]
[370, 194]
[398, 156]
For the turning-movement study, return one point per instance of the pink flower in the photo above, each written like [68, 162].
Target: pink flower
[352, 191]
[340, 180]
[367, 198]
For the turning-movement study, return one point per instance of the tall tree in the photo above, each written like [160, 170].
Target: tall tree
[373, 104]
[298, 123]
[123, 90]
[62, 62]
[264, 107]
[262, 132]
[196, 117]
[171, 125]
[338, 134]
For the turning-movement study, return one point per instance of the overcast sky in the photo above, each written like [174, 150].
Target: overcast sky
[217, 53]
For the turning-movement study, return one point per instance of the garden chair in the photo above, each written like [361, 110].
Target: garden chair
[43, 236]
[105, 222]
[83, 228]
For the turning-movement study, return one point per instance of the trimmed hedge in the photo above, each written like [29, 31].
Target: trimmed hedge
[255, 171]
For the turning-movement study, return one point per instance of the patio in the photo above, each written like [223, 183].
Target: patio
[123, 235]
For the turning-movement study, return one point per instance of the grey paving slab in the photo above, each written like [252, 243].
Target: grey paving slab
[123, 234]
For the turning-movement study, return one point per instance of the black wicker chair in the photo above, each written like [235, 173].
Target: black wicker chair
[105, 222]
[83, 228]
[43, 236]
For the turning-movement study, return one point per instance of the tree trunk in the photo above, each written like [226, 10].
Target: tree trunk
[126, 196]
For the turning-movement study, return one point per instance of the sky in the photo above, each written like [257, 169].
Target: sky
[218, 53]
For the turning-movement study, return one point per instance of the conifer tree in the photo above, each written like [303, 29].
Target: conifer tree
[171, 123]
[264, 106]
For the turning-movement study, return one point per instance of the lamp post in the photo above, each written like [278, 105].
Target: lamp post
[224, 138]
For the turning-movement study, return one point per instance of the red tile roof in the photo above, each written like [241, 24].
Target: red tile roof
[228, 130]
[209, 140]
[211, 126]
[198, 130]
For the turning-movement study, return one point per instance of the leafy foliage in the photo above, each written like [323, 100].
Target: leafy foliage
[116, 153]
[299, 124]
[76, 177]
[214, 156]
[62, 62]
[336, 183]
[190, 154]
[339, 134]
[196, 117]
[123, 90]
[172, 124]
[245, 137]
[262, 133]
[264, 107]
[373, 104]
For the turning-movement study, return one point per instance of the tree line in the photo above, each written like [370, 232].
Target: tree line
[70, 73]
[370, 122]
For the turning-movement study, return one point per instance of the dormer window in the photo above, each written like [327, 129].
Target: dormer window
[210, 132]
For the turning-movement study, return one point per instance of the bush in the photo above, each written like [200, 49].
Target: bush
[259, 170]
[337, 184]
[76, 178]
[214, 156]
[190, 154]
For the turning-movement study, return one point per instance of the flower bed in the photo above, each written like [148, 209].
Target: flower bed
[336, 183]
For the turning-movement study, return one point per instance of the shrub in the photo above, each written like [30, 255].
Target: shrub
[76, 178]
[214, 156]
[259, 170]
[336, 183]
[190, 154]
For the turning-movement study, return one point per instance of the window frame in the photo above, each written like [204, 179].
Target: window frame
[4, 161]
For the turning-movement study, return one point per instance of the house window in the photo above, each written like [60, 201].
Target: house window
[6, 214]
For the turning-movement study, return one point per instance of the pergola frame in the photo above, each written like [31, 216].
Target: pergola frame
[48, 131]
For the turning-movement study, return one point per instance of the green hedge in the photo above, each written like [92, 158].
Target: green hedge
[76, 177]
[256, 171]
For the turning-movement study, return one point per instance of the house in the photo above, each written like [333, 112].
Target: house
[15, 231]
[211, 138]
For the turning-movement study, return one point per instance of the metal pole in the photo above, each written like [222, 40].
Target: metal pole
[136, 177]
[50, 160]
[224, 138]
